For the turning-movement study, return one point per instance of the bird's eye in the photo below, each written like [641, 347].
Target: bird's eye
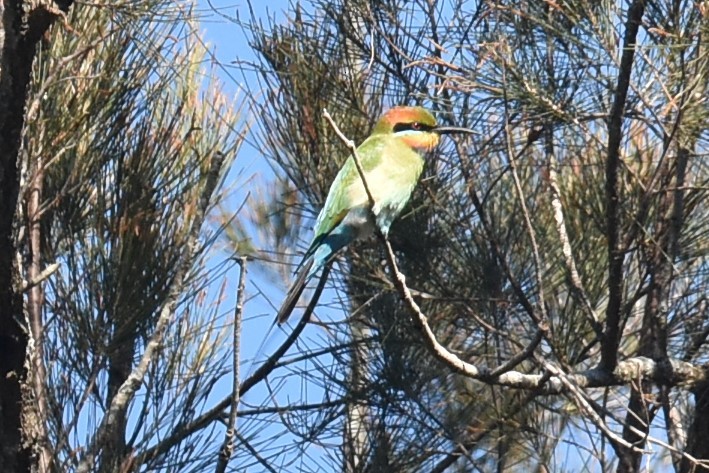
[408, 126]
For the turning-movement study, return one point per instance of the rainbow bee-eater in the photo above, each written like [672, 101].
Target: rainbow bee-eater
[392, 159]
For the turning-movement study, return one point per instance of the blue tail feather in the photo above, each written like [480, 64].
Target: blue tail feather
[315, 259]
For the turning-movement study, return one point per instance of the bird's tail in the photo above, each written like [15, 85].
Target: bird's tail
[294, 292]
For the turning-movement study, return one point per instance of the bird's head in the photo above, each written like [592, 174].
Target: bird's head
[415, 126]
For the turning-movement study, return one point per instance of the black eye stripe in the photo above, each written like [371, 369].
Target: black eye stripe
[417, 126]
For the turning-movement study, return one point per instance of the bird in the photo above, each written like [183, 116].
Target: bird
[392, 159]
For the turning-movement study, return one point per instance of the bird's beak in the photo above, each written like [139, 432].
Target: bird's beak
[445, 130]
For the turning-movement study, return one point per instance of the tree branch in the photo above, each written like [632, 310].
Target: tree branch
[616, 253]
[671, 372]
[228, 445]
[569, 260]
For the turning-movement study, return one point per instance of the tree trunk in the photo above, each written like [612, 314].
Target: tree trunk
[697, 444]
[15, 64]
[20, 30]
[358, 428]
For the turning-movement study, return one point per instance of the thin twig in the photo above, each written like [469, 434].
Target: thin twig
[519, 357]
[228, 446]
[255, 453]
[569, 260]
[582, 403]
[89, 387]
[41, 277]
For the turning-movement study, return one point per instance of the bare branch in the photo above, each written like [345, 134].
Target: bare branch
[569, 259]
[612, 333]
[42, 276]
[228, 445]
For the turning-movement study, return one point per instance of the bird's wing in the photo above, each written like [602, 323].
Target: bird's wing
[338, 204]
